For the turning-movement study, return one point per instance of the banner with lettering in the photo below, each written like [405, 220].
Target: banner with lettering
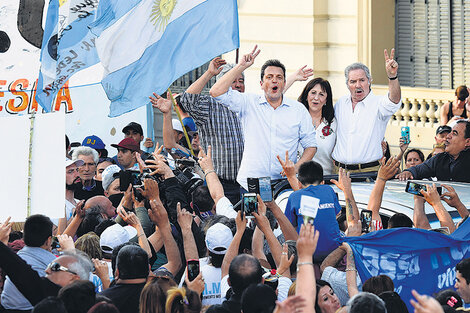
[413, 258]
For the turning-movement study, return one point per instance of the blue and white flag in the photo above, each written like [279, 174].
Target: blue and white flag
[145, 45]
[68, 46]
[413, 258]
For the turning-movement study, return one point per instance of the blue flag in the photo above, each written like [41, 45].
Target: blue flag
[68, 46]
[145, 45]
[413, 258]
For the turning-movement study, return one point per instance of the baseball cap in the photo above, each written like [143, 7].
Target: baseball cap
[134, 126]
[116, 235]
[109, 174]
[176, 125]
[443, 129]
[77, 162]
[94, 142]
[127, 143]
[218, 238]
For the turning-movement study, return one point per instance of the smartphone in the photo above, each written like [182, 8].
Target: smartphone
[366, 220]
[193, 269]
[405, 134]
[253, 185]
[265, 190]
[250, 204]
[414, 188]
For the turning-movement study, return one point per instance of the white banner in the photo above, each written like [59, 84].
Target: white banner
[83, 100]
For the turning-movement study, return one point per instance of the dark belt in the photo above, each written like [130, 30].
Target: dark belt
[356, 166]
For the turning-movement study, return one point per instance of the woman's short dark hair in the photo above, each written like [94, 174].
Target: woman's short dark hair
[327, 112]
[378, 284]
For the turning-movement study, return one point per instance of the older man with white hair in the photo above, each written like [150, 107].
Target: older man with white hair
[88, 186]
[363, 117]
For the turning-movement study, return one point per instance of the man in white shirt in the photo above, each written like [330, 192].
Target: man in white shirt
[271, 123]
[362, 117]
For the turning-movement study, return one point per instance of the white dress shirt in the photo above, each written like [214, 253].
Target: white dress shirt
[268, 132]
[360, 132]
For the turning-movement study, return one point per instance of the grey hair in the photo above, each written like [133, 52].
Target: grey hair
[85, 151]
[357, 303]
[357, 66]
[225, 68]
[82, 266]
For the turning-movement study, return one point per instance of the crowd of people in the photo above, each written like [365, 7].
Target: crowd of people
[167, 231]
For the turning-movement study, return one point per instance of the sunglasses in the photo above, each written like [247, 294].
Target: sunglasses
[56, 267]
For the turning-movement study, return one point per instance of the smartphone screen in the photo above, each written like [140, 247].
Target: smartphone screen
[405, 134]
[366, 220]
[250, 204]
[265, 190]
[193, 269]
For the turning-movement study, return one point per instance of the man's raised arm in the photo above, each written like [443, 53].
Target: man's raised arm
[224, 83]
[391, 68]
[215, 67]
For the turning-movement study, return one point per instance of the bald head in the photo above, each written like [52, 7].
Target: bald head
[102, 203]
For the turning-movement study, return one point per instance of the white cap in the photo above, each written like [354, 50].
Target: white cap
[77, 162]
[116, 235]
[176, 125]
[108, 175]
[218, 238]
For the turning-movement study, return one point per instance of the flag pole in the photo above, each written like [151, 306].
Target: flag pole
[181, 121]
[30, 161]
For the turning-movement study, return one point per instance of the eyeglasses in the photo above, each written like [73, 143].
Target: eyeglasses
[56, 267]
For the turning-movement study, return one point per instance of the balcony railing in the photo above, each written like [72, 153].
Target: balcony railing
[420, 111]
[421, 106]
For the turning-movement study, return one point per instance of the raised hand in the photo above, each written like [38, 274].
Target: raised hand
[403, 145]
[164, 105]
[197, 284]
[307, 242]
[248, 59]
[284, 266]
[431, 195]
[425, 304]
[451, 197]
[240, 221]
[291, 304]
[5, 229]
[288, 167]
[185, 218]
[303, 73]
[130, 218]
[205, 160]
[158, 214]
[148, 143]
[344, 180]
[66, 242]
[389, 169]
[215, 66]
[391, 66]
[151, 191]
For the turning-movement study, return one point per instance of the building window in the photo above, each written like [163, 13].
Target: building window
[433, 42]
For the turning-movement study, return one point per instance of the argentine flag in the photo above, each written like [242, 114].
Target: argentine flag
[68, 46]
[145, 45]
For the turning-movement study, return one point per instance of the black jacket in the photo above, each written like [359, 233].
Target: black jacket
[444, 167]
